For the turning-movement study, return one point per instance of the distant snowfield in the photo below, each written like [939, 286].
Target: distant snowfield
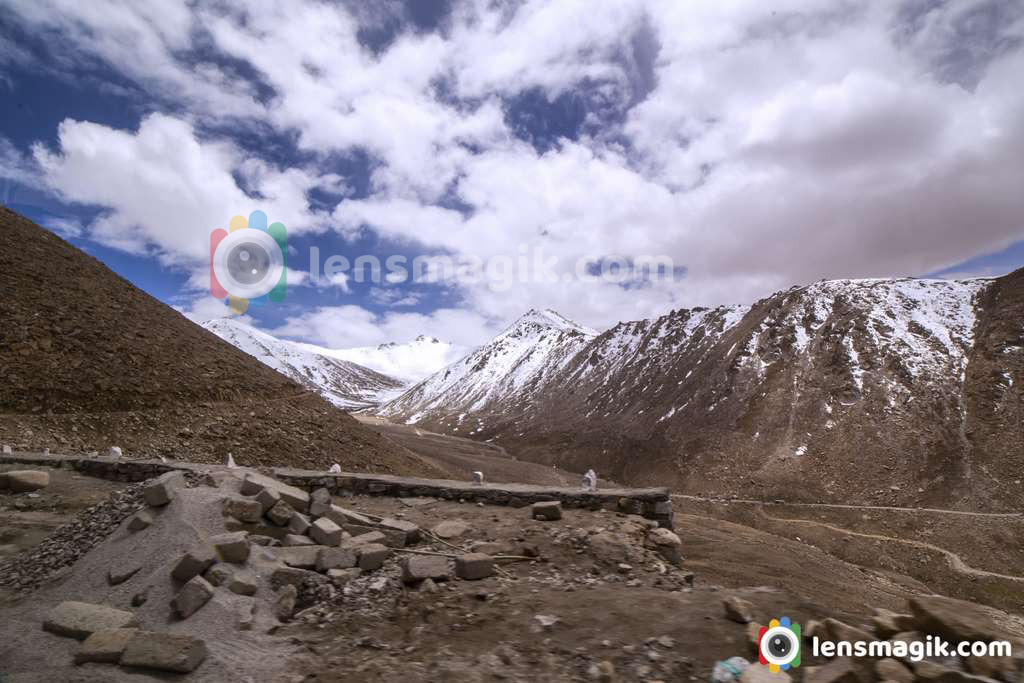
[409, 362]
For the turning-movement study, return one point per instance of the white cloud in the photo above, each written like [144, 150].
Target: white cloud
[206, 307]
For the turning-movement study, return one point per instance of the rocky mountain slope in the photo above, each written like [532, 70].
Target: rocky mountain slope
[343, 383]
[87, 360]
[897, 391]
[408, 362]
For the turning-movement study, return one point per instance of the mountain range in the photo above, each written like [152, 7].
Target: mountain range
[892, 391]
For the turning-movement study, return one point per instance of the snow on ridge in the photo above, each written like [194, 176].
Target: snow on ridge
[410, 361]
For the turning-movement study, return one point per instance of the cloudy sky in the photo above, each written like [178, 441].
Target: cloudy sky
[758, 145]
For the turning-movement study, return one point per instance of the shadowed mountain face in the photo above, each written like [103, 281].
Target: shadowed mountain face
[87, 360]
[884, 391]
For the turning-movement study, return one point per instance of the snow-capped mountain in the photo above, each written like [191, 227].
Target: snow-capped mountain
[409, 362]
[892, 390]
[496, 377]
[343, 383]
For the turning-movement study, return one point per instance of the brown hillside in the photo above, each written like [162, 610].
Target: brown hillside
[88, 360]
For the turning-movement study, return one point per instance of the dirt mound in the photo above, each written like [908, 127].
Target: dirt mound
[88, 360]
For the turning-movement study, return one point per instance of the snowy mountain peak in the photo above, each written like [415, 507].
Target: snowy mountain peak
[342, 382]
[548, 318]
[408, 361]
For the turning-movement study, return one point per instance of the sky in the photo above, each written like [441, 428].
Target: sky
[754, 145]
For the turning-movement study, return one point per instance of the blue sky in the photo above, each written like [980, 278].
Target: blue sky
[755, 147]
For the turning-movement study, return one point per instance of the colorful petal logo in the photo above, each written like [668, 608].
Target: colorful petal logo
[248, 263]
[778, 645]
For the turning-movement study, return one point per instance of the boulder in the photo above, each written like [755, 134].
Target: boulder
[957, 620]
[341, 576]
[300, 557]
[892, 670]
[342, 516]
[219, 574]
[193, 595]
[392, 538]
[243, 583]
[548, 510]
[281, 513]
[122, 571]
[419, 567]
[372, 556]
[194, 562]
[474, 566]
[105, 646]
[839, 670]
[450, 528]
[299, 523]
[667, 544]
[247, 615]
[887, 624]
[336, 558]
[24, 481]
[81, 619]
[164, 651]
[292, 540]
[255, 483]
[268, 498]
[232, 547]
[292, 576]
[161, 491]
[246, 510]
[140, 520]
[838, 630]
[366, 539]
[325, 532]
[319, 502]
[410, 533]
[738, 610]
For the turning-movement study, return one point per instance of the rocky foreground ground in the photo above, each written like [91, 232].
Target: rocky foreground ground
[234, 576]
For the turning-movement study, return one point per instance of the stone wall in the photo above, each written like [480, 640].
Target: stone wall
[653, 503]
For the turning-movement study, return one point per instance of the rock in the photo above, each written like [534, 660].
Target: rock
[839, 670]
[247, 510]
[247, 615]
[372, 556]
[243, 583]
[300, 557]
[474, 566]
[120, 573]
[140, 598]
[164, 651]
[268, 498]
[887, 624]
[450, 528]
[258, 537]
[342, 516]
[284, 605]
[957, 620]
[255, 483]
[194, 562]
[667, 544]
[366, 539]
[7, 450]
[490, 548]
[603, 672]
[429, 586]
[336, 558]
[319, 502]
[389, 537]
[341, 576]
[193, 595]
[930, 672]
[548, 510]
[219, 574]
[140, 520]
[23, 481]
[292, 576]
[1003, 668]
[292, 540]
[738, 610]
[762, 674]
[105, 646]
[409, 532]
[82, 619]
[837, 630]
[160, 491]
[891, 670]
[325, 532]
[419, 567]
[299, 523]
[281, 513]
[232, 547]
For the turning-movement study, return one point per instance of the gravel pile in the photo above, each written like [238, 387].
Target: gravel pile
[55, 555]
